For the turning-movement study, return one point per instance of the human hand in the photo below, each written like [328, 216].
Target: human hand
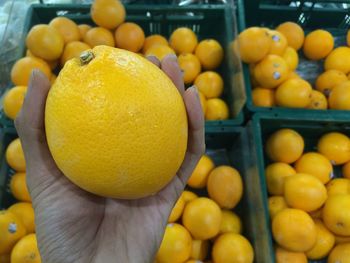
[73, 225]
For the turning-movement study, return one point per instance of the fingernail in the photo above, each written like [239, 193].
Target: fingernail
[194, 87]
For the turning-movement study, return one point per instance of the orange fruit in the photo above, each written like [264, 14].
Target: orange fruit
[328, 80]
[318, 44]
[25, 212]
[134, 174]
[271, 71]
[202, 218]
[263, 97]
[294, 34]
[294, 229]
[335, 146]
[188, 196]
[338, 186]
[45, 42]
[276, 205]
[341, 240]
[348, 38]
[225, 186]
[26, 250]
[291, 57]
[15, 156]
[68, 28]
[73, 50]
[210, 84]
[83, 29]
[294, 93]
[5, 258]
[293, 75]
[210, 53]
[318, 101]
[177, 210]
[217, 109]
[97, 36]
[154, 40]
[159, 51]
[338, 59]
[340, 254]
[22, 70]
[190, 67]
[129, 36]
[254, 44]
[176, 245]
[339, 98]
[18, 187]
[276, 173]
[285, 256]
[200, 174]
[108, 13]
[305, 192]
[230, 223]
[12, 230]
[278, 43]
[315, 164]
[346, 170]
[203, 102]
[183, 40]
[336, 214]
[230, 248]
[285, 145]
[200, 249]
[324, 242]
[13, 100]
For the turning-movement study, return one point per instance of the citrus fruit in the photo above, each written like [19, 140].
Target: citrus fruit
[232, 248]
[176, 245]
[225, 186]
[190, 67]
[278, 43]
[203, 102]
[276, 205]
[15, 156]
[336, 214]
[276, 174]
[340, 254]
[294, 93]
[132, 170]
[305, 192]
[154, 40]
[83, 29]
[318, 101]
[188, 196]
[200, 174]
[348, 38]
[318, 44]
[108, 13]
[230, 223]
[210, 53]
[293, 75]
[346, 170]
[18, 187]
[45, 42]
[25, 212]
[338, 59]
[254, 44]
[291, 57]
[263, 97]
[200, 249]
[12, 230]
[328, 80]
[217, 109]
[285, 256]
[315, 164]
[159, 51]
[338, 186]
[341, 240]
[22, 70]
[177, 210]
[26, 250]
[294, 34]
[97, 36]
[67, 28]
[183, 40]
[271, 71]
[335, 146]
[339, 98]
[13, 100]
[210, 84]
[73, 50]
[285, 145]
[324, 242]
[294, 229]
[202, 218]
[129, 36]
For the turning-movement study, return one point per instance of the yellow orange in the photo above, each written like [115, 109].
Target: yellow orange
[294, 93]
[73, 50]
[278, 43]
[203, 102]
[154, 40]
[263, 97]
[13, 100]
[25, 212]
[339, 98]
[210, 53]
[276, 174]
[15, 156]
[183, 40]
[68, 29]
[190, 66]
[177, 210]
[335, 146]
[217, 109]
[276, 205]
[318, 44]
[318, 101]
[329, 79]
[340, 254]
[188, 196]
[129, 36]
[210, 84]
[200, 174]
[285, 256]
[83, 29]
[18, 187]
[97, 36]
[230, 222]
[200, 249]
[108, 13]
[26, 250]
[338, 186]
[294, 34]
[291, 57]
[338, 59]
[159, 51]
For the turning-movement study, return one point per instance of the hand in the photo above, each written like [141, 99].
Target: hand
[75, 226]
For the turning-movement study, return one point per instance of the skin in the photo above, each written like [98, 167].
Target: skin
[73, 225]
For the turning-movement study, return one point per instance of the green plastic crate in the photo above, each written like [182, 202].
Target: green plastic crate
[271, 13]
[310, 126]
[207, 21]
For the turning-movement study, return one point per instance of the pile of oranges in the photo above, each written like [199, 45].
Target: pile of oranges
[273, 57]
[50, 46]
[196, 222]
[17, 228]
[308, 206]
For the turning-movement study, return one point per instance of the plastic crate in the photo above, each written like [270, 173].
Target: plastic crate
[270, 13]
[164, 19]
[310, 126]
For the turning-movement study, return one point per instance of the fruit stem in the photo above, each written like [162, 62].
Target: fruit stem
[86, 57]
